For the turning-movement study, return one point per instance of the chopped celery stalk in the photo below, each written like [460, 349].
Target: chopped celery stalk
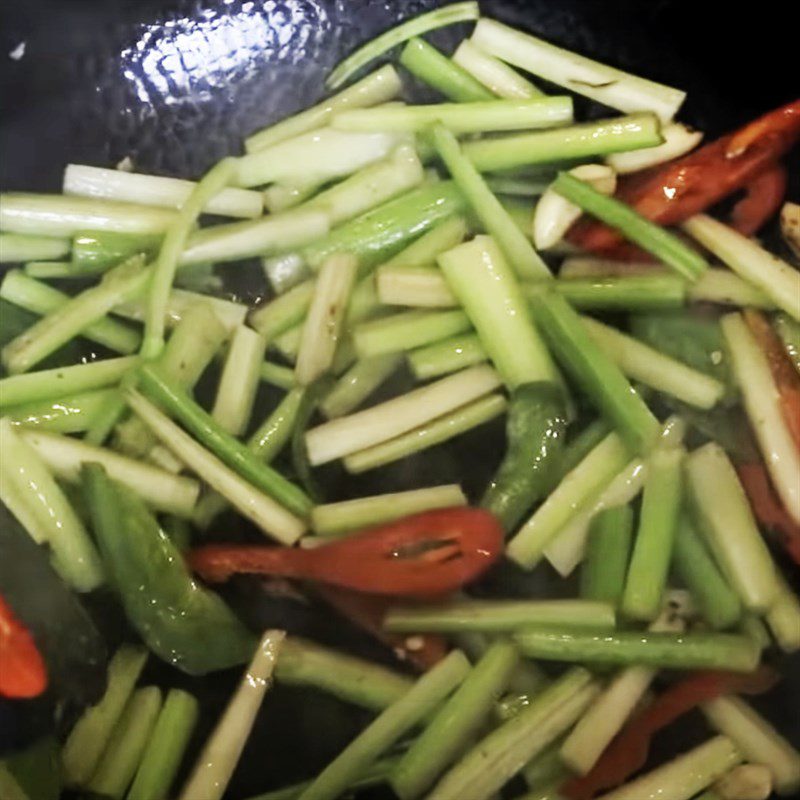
[597, 267]
[236, 391]
[347, 435]
[95, 252]
[752, 626]
[572, 143]
[220, 754]
[519, 187]
[233, 453]
[283, 196]
[169, 254]
[423, 252]
[501, 754]
[372, 186]
[32, 495]
[357, 384]
[461, 118]
[409, 329]
[49, 270]
[335, 519]
[285, 311]
[314, 157]
[644, 292]
[155, 190]
[493, 73]
[607, 85]
[594, 371]
[666, 246]
[578, 489]
[363, 683]
[683, 777]
[762, 401]
[749, 781]
[783, 618]
[498, 616]
[72, 413]
[75, 316]
[277, 375]
[19, 248]
[757, 740]
[545, 768]
[259, 508]
[679, 139]
[378, 87]
[399, 718]
[607, 554]
[87, 740]
[416, 26]
[379, 234]
[65, 456]
[56, 215]
[52, 383]
[773, 276]
[425, 62]
[718, 603]
[166, 747]
[789, 331]
[285, 271]
[450, 355]
[665, 650]
[652, 368]
[652, 550]
[32, 295]
[418, 287]
[459, 719]
[322, 329]
[484, 284]
[512, 241]
[723, 513]
[126, 744]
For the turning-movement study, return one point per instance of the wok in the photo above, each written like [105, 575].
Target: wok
[177, 85]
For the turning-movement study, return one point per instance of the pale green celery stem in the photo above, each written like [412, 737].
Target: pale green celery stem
[378, 87]
[427, 693]
[322, 329]
[283, 196]
[335, 519]
[757, 740]
[416, 26]
[221, 752]
[169, 255]
[606, 85]
[418, 287]
[277, 375]
[435, 432]
[493, 73]
[648, 366]
[347, 435]
[262, 510]
[407, 330]
[726, 521]
[762, 401]
[357, 384]
[163, 491]
[512, 241]
[18, 248]
[783, 618]
[773, 276]
[32, 495]
[789, 331]
[501, 754]
[447, 356]
[49, 270]
[56, 215]
[72, 413]
[85, 744]
[126, 744]
[283, 312]
[75, 316]
[156, 190]
[579, 487]
[236, 391]
[54, 383]
[486, 287]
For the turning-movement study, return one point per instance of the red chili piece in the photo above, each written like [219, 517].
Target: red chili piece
[22, 671]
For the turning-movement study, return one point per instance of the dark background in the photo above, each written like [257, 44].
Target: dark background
[177, 85]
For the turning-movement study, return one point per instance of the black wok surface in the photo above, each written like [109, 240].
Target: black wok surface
[177, 85]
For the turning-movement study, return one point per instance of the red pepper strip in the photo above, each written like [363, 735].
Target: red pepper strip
[768, 508]
[673, 192]
[22, 670]
[628, 752]
[762, 200]
[426, 554]
[367, 611]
